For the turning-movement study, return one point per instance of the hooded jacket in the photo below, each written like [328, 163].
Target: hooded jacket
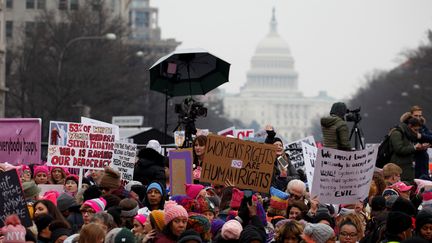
[150, 167]
[402, 142]
[335, 133]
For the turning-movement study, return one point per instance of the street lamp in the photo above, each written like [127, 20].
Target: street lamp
[108, 36]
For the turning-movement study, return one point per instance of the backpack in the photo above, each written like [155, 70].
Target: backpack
[385, 150]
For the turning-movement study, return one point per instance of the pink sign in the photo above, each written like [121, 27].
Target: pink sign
[20, 140]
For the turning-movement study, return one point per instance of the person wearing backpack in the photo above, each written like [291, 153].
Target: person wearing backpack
[404, 144]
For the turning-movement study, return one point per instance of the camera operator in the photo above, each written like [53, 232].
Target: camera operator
[335, 129]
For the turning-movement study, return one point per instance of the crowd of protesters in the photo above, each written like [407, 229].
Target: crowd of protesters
[145, 210]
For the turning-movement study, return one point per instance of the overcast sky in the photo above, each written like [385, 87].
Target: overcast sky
[335, 43]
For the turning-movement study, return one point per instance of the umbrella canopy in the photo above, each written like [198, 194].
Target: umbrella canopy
[188, 72]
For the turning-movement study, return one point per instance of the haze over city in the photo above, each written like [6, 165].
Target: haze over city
[335, 43]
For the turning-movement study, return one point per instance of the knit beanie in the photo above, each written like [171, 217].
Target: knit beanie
[63, 170]
[155, 145]
[231, 230]
[251, 232]
[124, 236]
[378, 203]
[97, 204]
[51, 196]
[110, 179]
[192, 190]
[320, 233]
[173, 210]
[65, 201]
[128, 187]
[324, 216]
[140, 218]
[110, 236]
[155, 185]
[201, 225]
[398, 222]
[13, 231]
[43, 221]
[423, 217]
[236, 198]
[58, 228]
[30, 189]
[72, 177]
[40, 169]
[188, 236]
[204, 205]
[278, 199]
[216, 225]
[129, 207]
[277, 139]
[158, 216]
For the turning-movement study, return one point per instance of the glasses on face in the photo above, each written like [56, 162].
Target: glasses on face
[88, 211]
[346, 234]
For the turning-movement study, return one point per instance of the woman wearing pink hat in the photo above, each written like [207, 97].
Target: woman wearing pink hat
[176, 218]
[92, 206]
[41, 174]
[58, 175]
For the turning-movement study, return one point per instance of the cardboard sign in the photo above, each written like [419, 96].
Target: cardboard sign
[343, 177]
[20, 140]
[294, 152]
[12, 198]
[309, 156]
[244, 133]
[78, 145]
[226, 132]
[247, 165]
[180, 165]
[124, 160]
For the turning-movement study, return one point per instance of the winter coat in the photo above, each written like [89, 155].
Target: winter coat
[335, 133]
[421, 157]
[149, 167]
[402, 142]
[161, 238]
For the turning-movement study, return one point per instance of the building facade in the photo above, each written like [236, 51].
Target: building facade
[271, 95]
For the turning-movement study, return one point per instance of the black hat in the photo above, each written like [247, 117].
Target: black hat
[92, 192]
[378, 203]
[324, 216]
[250, 233]
[398, 222]
[404, 205]
[423, 217]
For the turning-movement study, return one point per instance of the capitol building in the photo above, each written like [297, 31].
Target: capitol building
[270, 94]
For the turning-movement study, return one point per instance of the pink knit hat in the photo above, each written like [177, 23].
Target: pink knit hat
[13, 232]
[140, 218]
[97, 204]
[52, 196]
[173, 210]
[231, 230]
[41, 169]
[192, 190]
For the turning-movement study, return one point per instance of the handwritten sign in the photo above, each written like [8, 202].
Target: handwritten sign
[343, 177]
[124, 160]
[116, 129]
[294, 151]
[309, 156]
[244, 133]
[12, 198]
[180, 165]
[78, 145]
[248, 165]
[20, 140]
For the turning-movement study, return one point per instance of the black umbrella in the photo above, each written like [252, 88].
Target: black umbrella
[187, 72]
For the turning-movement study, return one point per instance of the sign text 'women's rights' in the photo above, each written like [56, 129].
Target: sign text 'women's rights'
[343, 177]
[80, 145]
[247, 165]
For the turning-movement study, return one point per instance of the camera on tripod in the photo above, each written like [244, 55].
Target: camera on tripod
[353, 115]
[190, 109]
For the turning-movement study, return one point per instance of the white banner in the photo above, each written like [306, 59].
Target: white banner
[294, 151]
[309, 156]
[124, 160]
[343, 177]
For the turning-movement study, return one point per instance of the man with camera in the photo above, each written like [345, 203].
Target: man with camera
[335, 129]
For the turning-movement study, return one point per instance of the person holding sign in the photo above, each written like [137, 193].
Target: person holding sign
[283, 171]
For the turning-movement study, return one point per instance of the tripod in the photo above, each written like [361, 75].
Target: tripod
[358, 136]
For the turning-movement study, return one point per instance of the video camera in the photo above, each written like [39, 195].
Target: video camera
[353, 115]
[190, 109]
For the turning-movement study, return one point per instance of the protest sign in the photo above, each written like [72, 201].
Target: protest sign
[180, 165]
[20, 140]
[294, 151]
[247, 165]
[244, 133]
[226, 132]
[343, 177]
[116, 129]
[309, 156]
[78, 145]
[124, 160]
[12, 198]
